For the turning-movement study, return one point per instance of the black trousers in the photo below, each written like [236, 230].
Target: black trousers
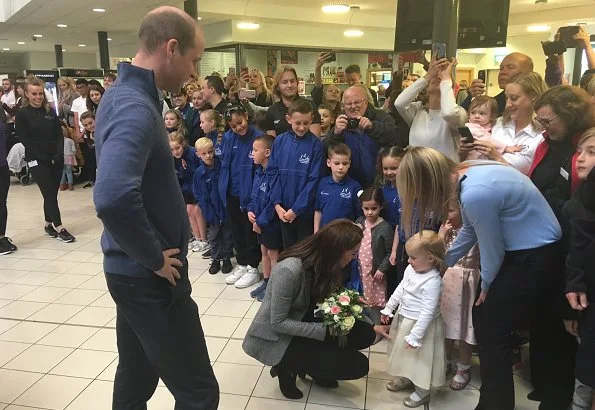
[90, 167]
[300, 228]
[4, 186]
[326, 360]
[512, 300]
[221, 240]
[48, 179]
[160, 336]
[244, 238]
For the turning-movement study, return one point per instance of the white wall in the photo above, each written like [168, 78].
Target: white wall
[12, 63]
[46, 60]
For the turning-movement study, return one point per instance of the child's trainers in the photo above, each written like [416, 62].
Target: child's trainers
[215, 267]
[251, 277]
[227, 266]
[236, 274]
[200, 246]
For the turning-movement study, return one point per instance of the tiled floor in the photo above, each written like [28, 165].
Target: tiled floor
[58, 344]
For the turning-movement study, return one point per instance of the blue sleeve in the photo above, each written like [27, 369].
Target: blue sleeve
[481, 209]
[303, 202]
[117, 192]
[267, 215]
[273, 172]
[196, 188]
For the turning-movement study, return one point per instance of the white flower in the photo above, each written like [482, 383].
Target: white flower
[325, 307]
[349, 322]
[336, 318]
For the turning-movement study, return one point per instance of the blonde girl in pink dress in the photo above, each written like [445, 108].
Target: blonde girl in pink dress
[374, 252]
[458, 295]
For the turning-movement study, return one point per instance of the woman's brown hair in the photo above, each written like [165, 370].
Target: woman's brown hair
[572, 105]
[218, 120]
[277, 79]
[91, 106]
[322, 252]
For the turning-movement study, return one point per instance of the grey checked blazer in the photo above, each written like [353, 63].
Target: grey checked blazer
[279, 318]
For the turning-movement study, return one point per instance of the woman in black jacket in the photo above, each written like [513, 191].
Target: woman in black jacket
[40, 132]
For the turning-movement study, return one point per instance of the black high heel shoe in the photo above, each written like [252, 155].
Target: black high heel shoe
[287, 383]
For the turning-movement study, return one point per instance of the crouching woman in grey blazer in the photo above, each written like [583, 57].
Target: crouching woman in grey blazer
[284, 333]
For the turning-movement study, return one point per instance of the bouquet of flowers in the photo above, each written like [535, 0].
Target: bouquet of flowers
[339, 312]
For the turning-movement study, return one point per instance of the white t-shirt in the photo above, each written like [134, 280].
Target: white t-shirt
[9, 99]
[436, 129]
[79, 105]
[505, 135]
[417, 298]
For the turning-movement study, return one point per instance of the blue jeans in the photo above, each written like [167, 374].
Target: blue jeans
[67, 175]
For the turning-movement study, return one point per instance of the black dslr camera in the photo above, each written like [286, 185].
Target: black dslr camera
[352, 123]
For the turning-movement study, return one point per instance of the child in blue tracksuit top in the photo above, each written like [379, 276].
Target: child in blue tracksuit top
[336, 196]
[261, 213]
[235, 188]
[295, 167]
[186, 162]
[206, 192]
[213, 125]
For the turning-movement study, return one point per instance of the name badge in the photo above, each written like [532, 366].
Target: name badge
[564, 173]
[32, 164]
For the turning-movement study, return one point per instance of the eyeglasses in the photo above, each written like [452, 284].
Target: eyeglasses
[354, 104]
[545, 121]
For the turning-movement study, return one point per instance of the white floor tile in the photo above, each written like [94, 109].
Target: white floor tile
[257, 403]
[104, 340]
[104, 301]
[57, 266]
[6, 324]
[39, 359]
[232, 401]
[36, 278]
[10, 350]
[240, 332]
[56, 313]
[268, 387]
[84, 363]
[215, 346]
[77, 256]
[252, 311]
[20, 309]
[27, 332]
[10, 275]
[28, 264]
[233, 353]
[44, 294]
[236, 378]
[83, 297]
[53, 392]
[203, 303]
[68, 336]
[96, 282]
[68, 280]
[233, 293]
[93, 316]
[231, 308]
[219, 326]
[97, 396]
[351, 394]
[14, 383]
[87, 268]
[208, 290]
[15, 291]
[109, 374]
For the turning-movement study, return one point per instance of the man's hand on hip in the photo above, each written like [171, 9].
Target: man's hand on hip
[168, 271]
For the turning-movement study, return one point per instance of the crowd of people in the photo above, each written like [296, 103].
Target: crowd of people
[453, 239]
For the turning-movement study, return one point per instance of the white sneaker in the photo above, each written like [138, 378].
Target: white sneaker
[251, 277]
[191, 245]
[236, 274]
[200, 246]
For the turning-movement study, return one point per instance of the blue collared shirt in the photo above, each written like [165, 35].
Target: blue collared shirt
[337, 199]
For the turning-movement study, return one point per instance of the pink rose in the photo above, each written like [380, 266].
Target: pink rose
[335, 310]
[344, 300]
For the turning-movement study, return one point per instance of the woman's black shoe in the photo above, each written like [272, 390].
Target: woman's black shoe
[287, 383]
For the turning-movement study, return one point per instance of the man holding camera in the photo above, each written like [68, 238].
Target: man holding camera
[365, 130]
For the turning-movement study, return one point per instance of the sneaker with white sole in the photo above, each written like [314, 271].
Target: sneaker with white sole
[200, 246]
[236, 274]
[251, 277]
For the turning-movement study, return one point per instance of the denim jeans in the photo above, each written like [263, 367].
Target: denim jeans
[67, 176]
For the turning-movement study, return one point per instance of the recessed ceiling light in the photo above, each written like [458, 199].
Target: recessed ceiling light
[38, 35]
[538, 28]
[109, 39]
[245, 25]
[21, 42]
[199, 18]
[6, 49]
[82, 45]
[353, 33]
[62, 25]
[336, 8]
[99, 10]
[63, 49]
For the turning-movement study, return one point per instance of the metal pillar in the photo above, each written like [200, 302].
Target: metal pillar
[191, 7]
[446, 25]
[59, 55]
[103, 50]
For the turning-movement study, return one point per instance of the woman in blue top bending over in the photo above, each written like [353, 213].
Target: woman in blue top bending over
[518, 235]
